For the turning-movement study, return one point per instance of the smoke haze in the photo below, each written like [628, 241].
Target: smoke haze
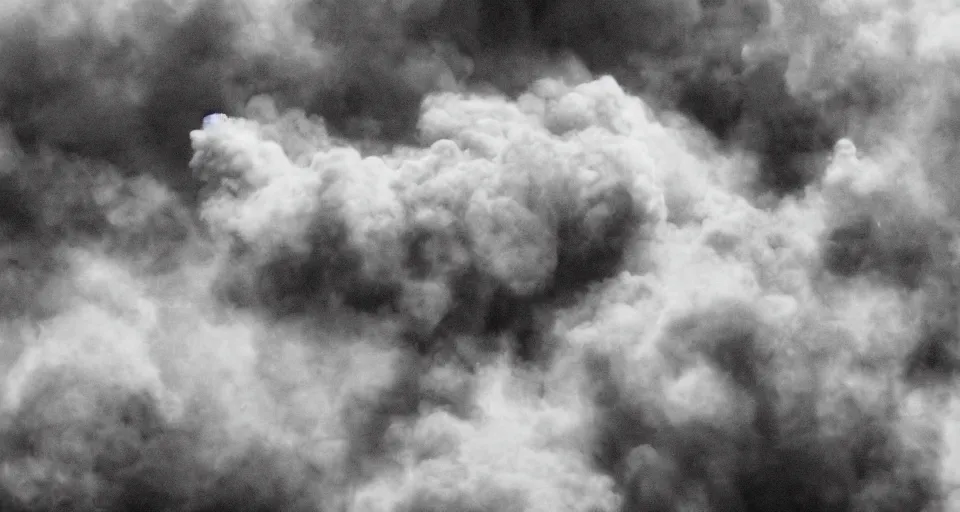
[479, 255]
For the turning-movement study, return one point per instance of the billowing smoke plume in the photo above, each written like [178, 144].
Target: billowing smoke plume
[485, 255]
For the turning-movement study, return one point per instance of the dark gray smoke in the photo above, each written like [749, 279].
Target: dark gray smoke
[142, 91]
[122, 454]
[784, 456]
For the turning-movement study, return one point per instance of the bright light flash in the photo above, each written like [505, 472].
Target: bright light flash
[213, 119]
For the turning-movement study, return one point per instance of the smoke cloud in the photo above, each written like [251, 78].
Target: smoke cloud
[486, 255]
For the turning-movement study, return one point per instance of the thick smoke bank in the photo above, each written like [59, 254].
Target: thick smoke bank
[90, 446]
[469, 246]
[783, 455]
[142, 78]
[682, 54]
[484, 255]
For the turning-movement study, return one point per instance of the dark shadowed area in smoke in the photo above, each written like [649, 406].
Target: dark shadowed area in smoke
[83, 112]
[28, 261]
[367, 419]
[902, 251]
[493, 319]
[189, 76]
[523, 318]
[482, 310]
[373, 96]
[680, 55]
[592, 243]
[935, 358]
[372, 103]
[694, 63]
[113, 450]
[848, 247]
[130, 102]
[49, 199]
[912, 253]
[942, 151]
[727, 337]
[409, 393]
[750, 106]
[786, 459]
[294, 282]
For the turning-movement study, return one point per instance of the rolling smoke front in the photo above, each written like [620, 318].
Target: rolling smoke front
[480, 255]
